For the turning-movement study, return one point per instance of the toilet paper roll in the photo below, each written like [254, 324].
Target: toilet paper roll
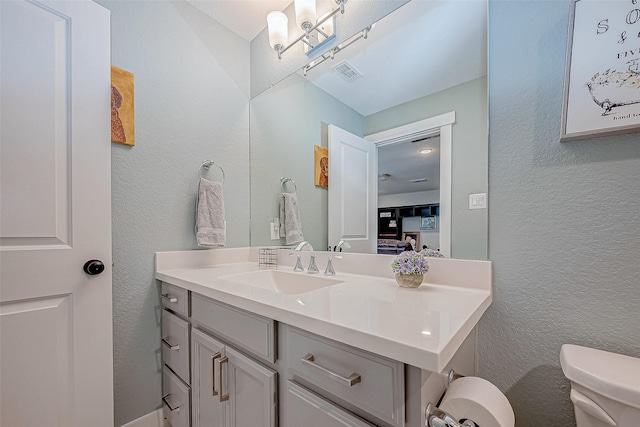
[478, 400]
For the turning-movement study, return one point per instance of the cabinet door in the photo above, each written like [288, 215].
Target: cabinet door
[252, 391]
[206, 353]
[305, 408]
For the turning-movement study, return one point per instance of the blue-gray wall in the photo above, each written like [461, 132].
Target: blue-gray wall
[286, 122]
[468, 155]
[192, 104]
[564, 222]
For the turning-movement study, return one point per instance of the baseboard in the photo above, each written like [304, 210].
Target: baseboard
[152, 419]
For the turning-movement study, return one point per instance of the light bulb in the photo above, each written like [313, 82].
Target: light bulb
[305, 13]
[277, 23]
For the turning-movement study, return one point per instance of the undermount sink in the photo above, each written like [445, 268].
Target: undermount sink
[281, 281]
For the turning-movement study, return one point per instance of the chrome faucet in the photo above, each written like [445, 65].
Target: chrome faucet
[341, 244]
[312, 269]
[329, 271]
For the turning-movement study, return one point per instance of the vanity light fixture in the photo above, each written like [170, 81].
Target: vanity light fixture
[316, 33]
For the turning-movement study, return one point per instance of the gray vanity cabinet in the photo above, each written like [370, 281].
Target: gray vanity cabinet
[364, 382]
[207, 404]
[227, 367]
[176, 393]
[228, 388]
[308, 409]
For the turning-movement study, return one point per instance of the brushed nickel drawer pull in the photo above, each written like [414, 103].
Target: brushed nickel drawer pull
[169, 345]
[168, 298]
[214, 392]
[352, 380]
[223, 397]
[165, 401]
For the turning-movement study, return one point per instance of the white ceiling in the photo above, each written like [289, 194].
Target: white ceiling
[244, 17]
[423, 47]
[403, 162]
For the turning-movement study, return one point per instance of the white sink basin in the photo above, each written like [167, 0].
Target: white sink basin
[281, 281]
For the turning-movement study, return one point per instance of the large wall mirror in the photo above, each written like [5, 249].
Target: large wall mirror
[419, 68]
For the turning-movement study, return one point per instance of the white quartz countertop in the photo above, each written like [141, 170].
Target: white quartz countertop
[422, 327]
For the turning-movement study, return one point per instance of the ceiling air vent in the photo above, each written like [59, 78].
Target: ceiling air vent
[418, 180]
[347, 71]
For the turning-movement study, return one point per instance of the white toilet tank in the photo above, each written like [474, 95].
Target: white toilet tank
[605, 387]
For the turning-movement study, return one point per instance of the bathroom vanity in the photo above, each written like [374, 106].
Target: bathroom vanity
[244, 346]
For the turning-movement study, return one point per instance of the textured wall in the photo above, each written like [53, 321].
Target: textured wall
[284, 128]
[564, 228]
[469, 156]
[192, 104]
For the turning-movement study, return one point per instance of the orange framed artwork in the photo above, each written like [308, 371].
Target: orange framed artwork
[321, 161]
[122, 112]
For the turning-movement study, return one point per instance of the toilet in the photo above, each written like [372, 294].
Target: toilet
[605, 387]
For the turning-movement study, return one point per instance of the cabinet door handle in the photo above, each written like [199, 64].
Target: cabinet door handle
[350, 381]
[214, 392]
[166, 402]
[169, 298]
[170, 346]
[223, 397]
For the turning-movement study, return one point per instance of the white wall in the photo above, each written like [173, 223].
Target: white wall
[191, 104]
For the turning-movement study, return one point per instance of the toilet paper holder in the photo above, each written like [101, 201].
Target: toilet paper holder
[436, 417]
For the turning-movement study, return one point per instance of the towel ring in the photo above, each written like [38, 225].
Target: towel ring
[207, 164]
[284, 180]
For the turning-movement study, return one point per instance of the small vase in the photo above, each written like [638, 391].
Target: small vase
[409, 280]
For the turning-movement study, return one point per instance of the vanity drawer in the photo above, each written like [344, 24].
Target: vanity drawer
[246, 330]
[175, 298]
[308, 409]
[176, 400]
[372, 383]
[175, 344]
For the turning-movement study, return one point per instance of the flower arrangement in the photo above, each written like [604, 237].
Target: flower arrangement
[410, 263]
[434, 253]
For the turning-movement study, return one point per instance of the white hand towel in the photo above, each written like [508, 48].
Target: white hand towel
[290, 224]
[210, 222]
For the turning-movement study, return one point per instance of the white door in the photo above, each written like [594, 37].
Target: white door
[353, 191]
[55, 214]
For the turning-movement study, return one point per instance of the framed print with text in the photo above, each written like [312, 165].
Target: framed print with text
[602, 72]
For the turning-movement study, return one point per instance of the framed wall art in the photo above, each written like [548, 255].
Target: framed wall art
[321, 161]
[122, 111]
[602, 71]
[412, 237]
[429, 223]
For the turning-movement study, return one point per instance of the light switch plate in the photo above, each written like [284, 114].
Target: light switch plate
[478, 201]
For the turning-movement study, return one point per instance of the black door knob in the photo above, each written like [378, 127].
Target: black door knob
[93, 267]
